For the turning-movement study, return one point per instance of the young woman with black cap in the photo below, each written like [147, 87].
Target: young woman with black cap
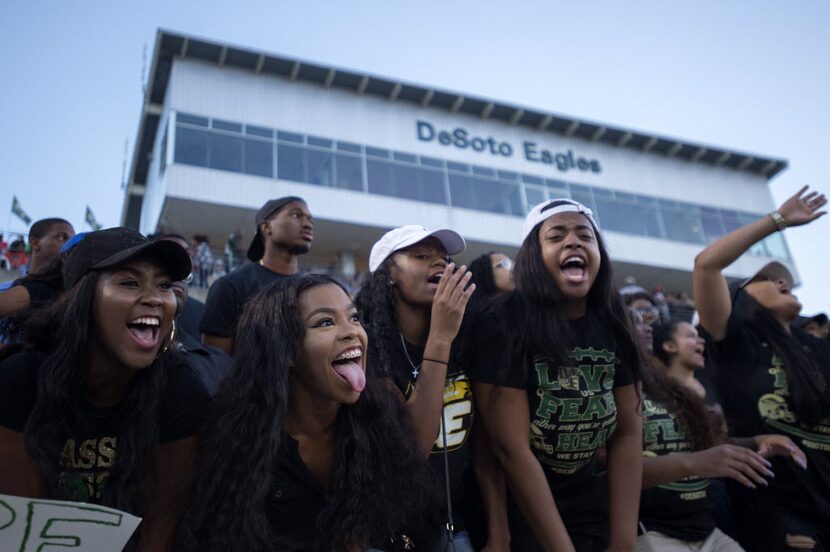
[554, 380]
[285, 230]
[413, 303]
[773, 378]
[100, 410]
[305, 450]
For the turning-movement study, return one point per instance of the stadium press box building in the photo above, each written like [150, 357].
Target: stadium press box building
[224, 128]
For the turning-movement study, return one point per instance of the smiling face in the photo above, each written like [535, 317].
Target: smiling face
[776, 296]
[416, 271]
[132, 313]
[332, 361]
[571, 255]
[290, 229]
[686, 346]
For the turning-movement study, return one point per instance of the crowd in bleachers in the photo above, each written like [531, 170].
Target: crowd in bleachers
[513, 404]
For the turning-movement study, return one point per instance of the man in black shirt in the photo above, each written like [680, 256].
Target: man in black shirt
[285, 230]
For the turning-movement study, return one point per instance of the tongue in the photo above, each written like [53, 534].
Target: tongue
[574, 272]
[352, 373]
[144, 334]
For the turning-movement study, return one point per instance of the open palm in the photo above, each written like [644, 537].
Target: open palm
[801, 209]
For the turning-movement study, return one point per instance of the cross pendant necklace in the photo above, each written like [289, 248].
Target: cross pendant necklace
[415, 369]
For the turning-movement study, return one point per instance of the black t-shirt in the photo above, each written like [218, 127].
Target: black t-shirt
[40, 292]
[458, 416]
[681, 509]
[228, 295]
[755, 400]
[90, 450]
[572, 408]
[211, 364]
[191, 316]
[294, 500]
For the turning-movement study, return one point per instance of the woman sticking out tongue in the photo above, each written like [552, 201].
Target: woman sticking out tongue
[305, 450]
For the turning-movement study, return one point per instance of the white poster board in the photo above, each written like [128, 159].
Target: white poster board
[35, 525]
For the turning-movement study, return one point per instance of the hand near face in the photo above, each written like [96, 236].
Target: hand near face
[801, 209]
[450, 302]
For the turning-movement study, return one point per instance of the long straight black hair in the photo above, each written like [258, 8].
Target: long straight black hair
[807, 377]
[377, 480]
[535, 311]
[61, 393]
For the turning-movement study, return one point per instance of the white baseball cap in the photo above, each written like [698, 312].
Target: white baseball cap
[547, 209]
[400, 238]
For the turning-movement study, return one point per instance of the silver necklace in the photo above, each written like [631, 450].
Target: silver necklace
[415, 369]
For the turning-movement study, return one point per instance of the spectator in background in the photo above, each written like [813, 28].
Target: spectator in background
[233, 252]
[45, 240]
[817, 325]
[492, 274]
[211, 364]
[43, 283]
[190, 310]
[285, 230]
[203, 260]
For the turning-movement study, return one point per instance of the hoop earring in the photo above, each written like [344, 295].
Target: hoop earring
[170, 340]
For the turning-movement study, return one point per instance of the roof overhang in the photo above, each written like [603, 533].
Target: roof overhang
[172, 45]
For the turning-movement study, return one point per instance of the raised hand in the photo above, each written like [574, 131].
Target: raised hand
[801, 209]
[739, 463]
[450, 302]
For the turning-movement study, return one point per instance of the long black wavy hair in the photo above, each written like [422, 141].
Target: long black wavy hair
[807, 373]
[702, 426]
[535, 312]
[376, 481]
[60, 396]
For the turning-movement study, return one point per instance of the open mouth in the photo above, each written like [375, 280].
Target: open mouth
[347, 366]
[435, 279]
[145, 330]
[574, 268]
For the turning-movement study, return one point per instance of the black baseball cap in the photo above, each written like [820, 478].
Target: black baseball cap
[820, 319]
[257, 248]
[113, 246]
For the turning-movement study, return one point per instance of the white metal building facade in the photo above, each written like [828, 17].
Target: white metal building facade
[224, 128]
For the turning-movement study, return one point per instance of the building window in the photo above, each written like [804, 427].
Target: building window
[320, 161]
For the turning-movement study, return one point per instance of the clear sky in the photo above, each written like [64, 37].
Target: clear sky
[746, 75]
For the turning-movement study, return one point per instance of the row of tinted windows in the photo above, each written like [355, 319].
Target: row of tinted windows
[259, 151]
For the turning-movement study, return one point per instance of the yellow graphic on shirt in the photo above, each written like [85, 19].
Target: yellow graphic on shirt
[774, 409]
[458, 413]
[85, 467]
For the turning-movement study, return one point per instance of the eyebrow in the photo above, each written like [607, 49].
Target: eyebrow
[328, 310]
[565, 227]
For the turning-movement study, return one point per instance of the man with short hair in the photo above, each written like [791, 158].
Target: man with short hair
[46, 238]
[285, 230]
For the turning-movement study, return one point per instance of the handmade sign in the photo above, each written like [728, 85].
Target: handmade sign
[35, 525]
